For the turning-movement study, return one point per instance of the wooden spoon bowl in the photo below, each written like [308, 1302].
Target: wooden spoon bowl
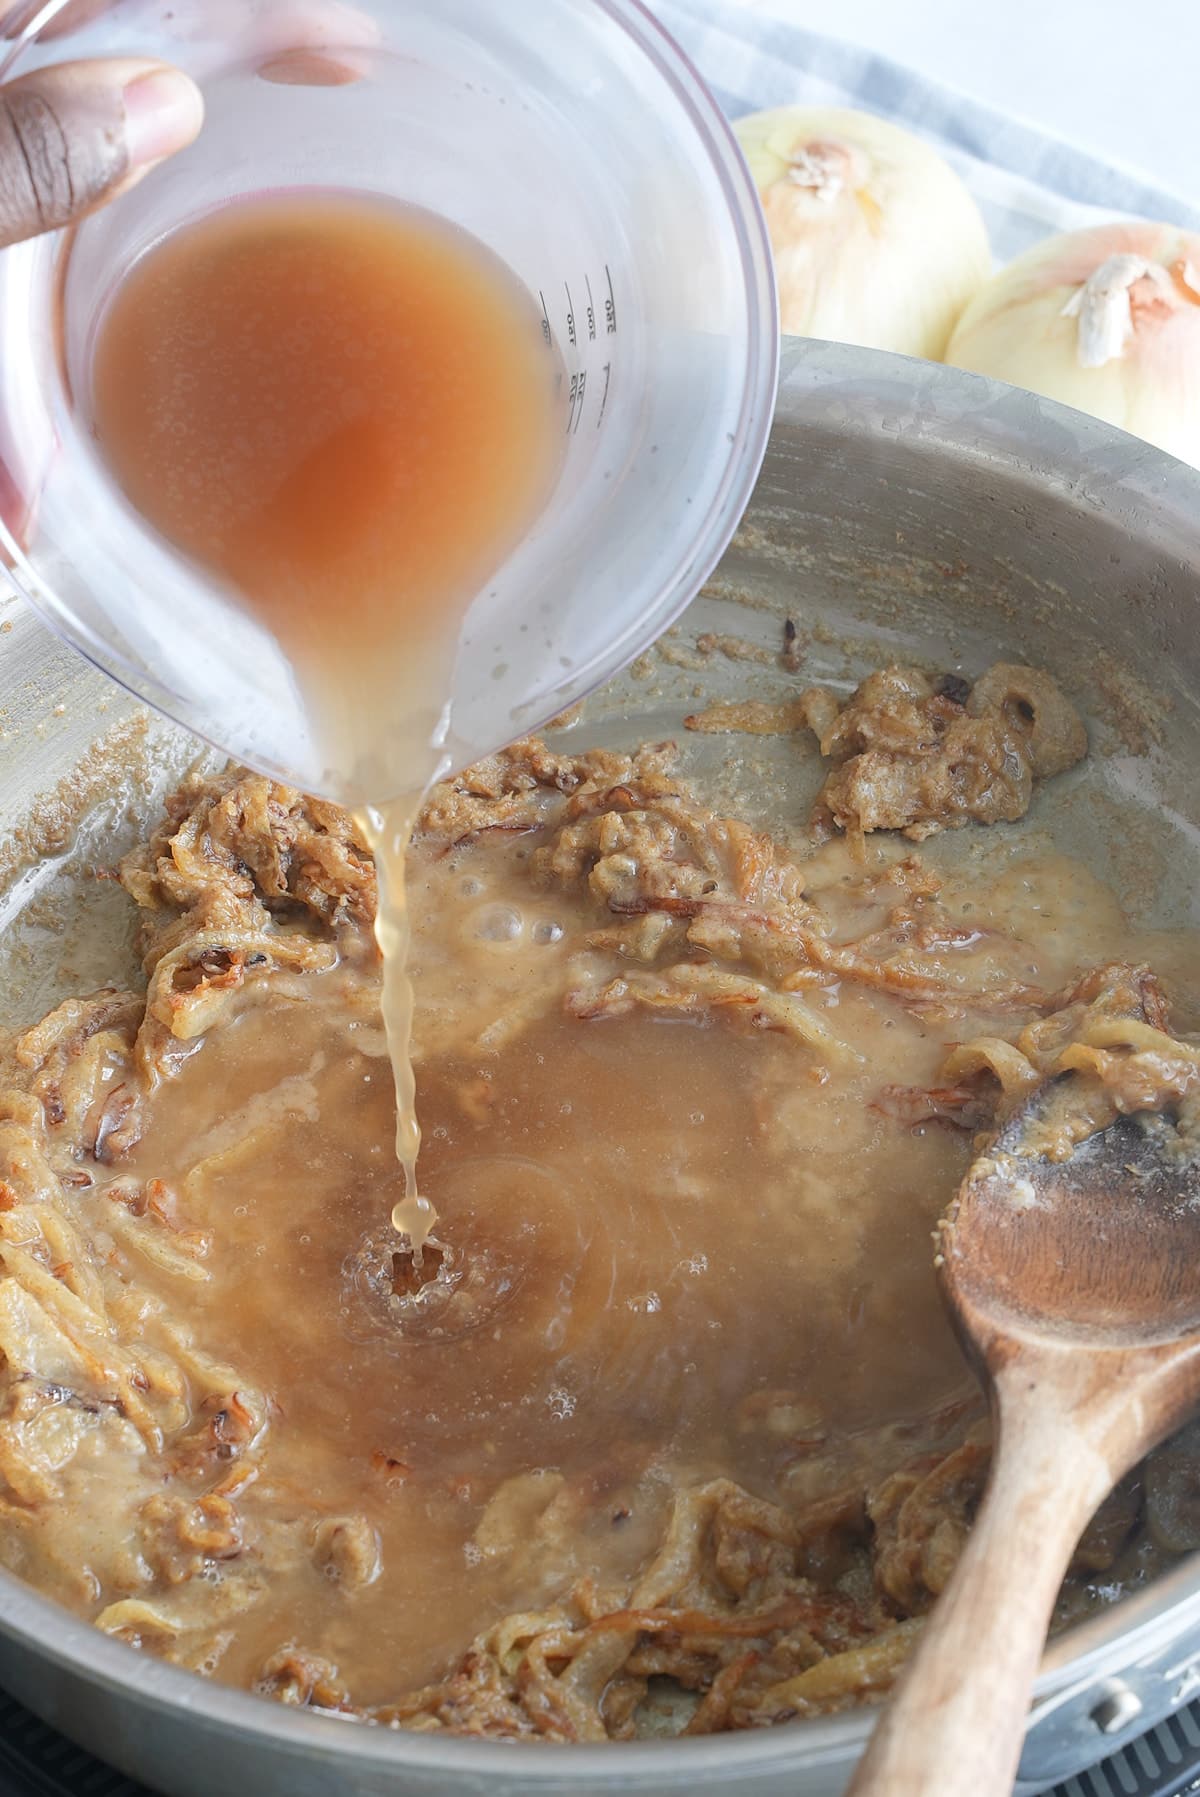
[1075, 1286]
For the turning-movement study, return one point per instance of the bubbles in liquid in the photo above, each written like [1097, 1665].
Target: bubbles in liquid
[411, 1271]
[453, 1292]
[499, 923]
[509, 1228]
[560, 1403]
[547, 931]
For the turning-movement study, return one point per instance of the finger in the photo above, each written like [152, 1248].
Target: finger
[75, 134]
[310, 68]
[313, 43]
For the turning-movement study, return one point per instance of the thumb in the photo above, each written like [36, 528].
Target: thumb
[74, 134]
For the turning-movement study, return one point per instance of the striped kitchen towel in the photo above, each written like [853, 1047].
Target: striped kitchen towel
[1027, 184]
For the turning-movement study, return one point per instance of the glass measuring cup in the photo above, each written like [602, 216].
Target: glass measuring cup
[569, 136]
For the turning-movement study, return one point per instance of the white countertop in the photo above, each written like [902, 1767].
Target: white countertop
[1120, 78]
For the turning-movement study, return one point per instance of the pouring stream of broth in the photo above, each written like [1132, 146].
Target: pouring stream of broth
[346, 409]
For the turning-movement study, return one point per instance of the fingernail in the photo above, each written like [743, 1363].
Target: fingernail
[163, 113]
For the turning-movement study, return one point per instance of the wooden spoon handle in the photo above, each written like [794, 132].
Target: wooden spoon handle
[956, 1722]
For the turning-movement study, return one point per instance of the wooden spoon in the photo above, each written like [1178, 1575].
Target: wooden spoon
[1075, 1288]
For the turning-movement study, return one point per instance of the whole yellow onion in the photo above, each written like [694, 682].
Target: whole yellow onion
[876, 239]
[1107, 320]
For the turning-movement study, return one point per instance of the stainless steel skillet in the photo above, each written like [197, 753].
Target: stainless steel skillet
[903, 509]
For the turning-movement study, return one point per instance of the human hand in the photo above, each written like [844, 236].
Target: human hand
[75, 134]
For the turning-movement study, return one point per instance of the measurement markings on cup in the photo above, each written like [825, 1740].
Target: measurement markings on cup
[606, 371]
[571, 334]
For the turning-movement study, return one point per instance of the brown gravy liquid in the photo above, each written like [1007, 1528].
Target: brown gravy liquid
[345, 408]
[668, 1255]
[671, 1251]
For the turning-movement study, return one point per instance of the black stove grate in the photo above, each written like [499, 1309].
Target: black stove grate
[1165, 1762]
[35, 1761]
